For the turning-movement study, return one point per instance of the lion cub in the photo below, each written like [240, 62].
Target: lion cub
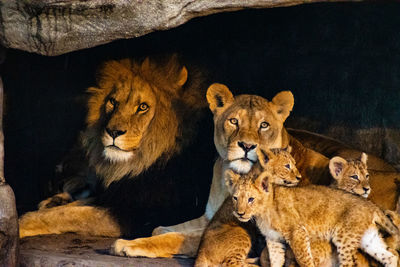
[300, 215]
[226, 226]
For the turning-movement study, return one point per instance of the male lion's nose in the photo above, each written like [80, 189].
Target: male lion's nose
[240, 214]
[114, 133]
[366, 189]
[246, 147]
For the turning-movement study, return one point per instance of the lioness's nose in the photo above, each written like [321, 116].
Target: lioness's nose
[366, 189]
[114, 133]
[240, 213]
[246, 147]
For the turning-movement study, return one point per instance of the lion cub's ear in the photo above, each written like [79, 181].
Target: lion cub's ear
[364, 158]
[264, 157]
[262, 182]
[336, 166]
[283, 103]
[219, 98]
[231, 178]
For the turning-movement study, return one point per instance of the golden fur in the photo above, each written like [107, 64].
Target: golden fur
[299, 215]
[138, 113]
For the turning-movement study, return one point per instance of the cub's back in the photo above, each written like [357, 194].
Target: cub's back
[314, 203]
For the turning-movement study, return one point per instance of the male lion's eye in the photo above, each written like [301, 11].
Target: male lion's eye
[367, 176]
[143, 107]
[233, 121]
[112, 101]
[354, 177]
[287, 166]
[251, 199]
[234, 198]
[264, 125]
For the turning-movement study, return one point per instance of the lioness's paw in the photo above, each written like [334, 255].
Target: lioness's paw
[56, 200]
[131, 248]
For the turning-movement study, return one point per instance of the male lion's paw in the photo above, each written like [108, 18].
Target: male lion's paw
[56, 200]
[131, 248]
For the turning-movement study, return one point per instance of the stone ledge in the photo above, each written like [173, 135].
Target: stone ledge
[75, 250]
[54, 27]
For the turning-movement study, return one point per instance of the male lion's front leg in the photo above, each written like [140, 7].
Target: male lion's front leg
[86, 220]
[163, 245]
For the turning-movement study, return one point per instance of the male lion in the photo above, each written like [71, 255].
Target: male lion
[241, 124]
[143, 130]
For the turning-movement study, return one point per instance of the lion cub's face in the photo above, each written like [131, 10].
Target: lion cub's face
[276, 166]
[351, 175]
[245, 123]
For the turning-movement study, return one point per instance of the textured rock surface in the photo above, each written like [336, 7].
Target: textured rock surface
[54, 27]
[75, 250]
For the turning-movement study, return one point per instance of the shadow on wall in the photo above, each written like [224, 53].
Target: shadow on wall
[340, 60]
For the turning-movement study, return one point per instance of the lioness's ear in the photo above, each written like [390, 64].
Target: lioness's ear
[219, 97]
[364, 158]
[283, 104]
[336, 166]
[264, 156]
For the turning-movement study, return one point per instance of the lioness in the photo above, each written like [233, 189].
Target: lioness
[146, 119]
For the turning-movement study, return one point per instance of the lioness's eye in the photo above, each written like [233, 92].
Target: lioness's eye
[251, 199]
[234, 198]
[264, 125]
[367, 176]
[354, 177]
[233, 121]
[143, 107]
[287, 166]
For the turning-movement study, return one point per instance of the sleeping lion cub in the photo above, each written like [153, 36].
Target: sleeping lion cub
[300, 215]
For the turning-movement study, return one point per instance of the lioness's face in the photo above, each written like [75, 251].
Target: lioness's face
[245, 123]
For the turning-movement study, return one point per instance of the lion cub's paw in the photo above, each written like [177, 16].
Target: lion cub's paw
[131, 248]
[56, 200]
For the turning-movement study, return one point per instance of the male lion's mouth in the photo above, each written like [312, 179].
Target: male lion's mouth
[114, 147]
